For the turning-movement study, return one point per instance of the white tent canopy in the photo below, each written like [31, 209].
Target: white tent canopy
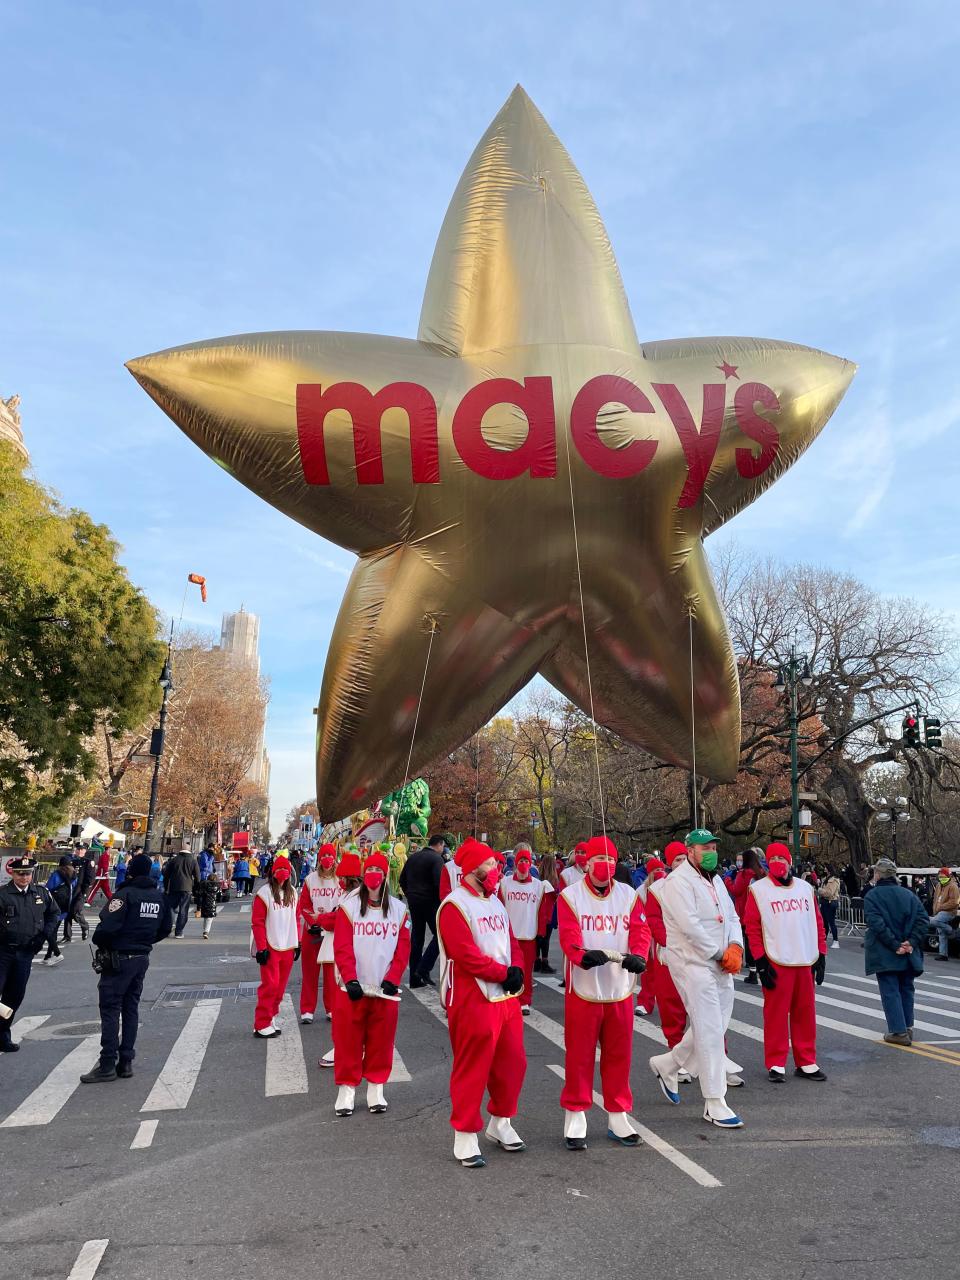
[89, 828]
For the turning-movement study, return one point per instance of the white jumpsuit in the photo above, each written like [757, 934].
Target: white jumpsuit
[700, 921]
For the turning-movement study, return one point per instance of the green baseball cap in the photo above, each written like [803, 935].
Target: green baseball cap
[700, 836]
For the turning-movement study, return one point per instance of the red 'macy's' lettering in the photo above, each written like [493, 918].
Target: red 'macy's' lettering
[536, 454]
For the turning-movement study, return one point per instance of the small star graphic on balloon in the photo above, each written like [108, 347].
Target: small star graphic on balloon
[527, 485]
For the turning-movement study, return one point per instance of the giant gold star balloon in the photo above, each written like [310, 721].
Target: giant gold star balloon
[527, 486]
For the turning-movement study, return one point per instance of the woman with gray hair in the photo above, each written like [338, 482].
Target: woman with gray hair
[897, 925]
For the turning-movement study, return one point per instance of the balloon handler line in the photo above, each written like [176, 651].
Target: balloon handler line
[423, 685]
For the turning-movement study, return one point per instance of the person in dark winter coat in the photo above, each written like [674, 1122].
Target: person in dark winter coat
[60, 888]
[207, 901]
[180, 876]
[897, 926]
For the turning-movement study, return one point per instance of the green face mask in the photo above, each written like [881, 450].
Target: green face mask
[709, 860]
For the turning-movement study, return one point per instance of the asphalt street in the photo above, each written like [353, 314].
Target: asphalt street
[222, 1154]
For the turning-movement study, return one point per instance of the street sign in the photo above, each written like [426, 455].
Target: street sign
[806, 795]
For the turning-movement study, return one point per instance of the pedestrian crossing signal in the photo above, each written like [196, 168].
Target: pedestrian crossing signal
[911, 731]
[931, 732]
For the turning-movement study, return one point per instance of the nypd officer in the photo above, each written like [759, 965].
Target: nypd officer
[131, 922]
[28, 918]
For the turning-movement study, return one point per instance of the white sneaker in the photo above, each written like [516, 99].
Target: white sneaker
[716, 1111]
[734, 1082]
[54, 960]
[267, 1033]
[667, 1080]
[620, 1129]
[306, 1018]
[466, 1149]
[684, 1077]
[328, 1016]
[376, 1102]
[344, 1103]
[834, 946]
[575, 1130]
[326, 1060]
[501, 1131]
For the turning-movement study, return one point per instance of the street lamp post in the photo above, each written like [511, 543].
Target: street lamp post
[897, 810]
[156, 746]
[790, 675]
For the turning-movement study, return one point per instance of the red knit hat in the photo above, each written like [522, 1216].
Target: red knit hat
[377, 861]
[580, 854]
[654, 864]
[501, 858]
[327, 851]
[348, 868]
[674, 850]
[777, 852]
[471, 853]
[944, 871]
[601, 847]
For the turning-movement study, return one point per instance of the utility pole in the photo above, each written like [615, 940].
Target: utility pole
[156, 743]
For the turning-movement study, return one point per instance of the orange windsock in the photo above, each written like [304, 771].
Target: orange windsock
[201, 583]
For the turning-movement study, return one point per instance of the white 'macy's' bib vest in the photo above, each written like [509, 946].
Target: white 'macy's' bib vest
[569, 876]
[604, 926]
[375, 937]
[522, 899]
[453, 874]
[325, 895]
[490, 926]
[283, 933]
[788, 917]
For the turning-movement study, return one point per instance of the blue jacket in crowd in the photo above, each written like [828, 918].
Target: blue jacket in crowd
[893, 915]
[205, 863]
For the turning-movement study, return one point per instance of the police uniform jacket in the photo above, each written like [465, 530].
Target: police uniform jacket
[26, 918]
[134, 919]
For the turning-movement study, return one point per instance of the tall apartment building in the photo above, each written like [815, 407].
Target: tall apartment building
[240, 636]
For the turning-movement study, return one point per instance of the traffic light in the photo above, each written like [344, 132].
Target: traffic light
[911, 731]
[931, 732]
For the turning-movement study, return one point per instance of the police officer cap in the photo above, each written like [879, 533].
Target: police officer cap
[139, 865]
[23, 863]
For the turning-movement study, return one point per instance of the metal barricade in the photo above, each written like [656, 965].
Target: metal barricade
[850, 916]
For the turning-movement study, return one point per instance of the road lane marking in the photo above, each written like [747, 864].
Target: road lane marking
[658, 1144]
[398, 1072]
[59, 1086]
[88, 1259]
[875, 995]
[922, 988]
[862, 1033]
[174, 1085]
[23, 1026]
[144, 1136]
[286, 1069]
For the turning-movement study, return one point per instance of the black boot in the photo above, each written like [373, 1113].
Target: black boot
[124, 1069]
[8, 1046]
[547, 967]
[99, 1073]
[538, 965]
[751, 980]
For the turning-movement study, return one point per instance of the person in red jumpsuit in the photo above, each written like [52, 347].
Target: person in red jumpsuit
[646, 998]
[371, 947]
[529, 905]
[102, 881]
[275, 943]
[481, 977]
[604, 937]
[789, 944]
[320, 895]
[348, 879]
[673, 1015]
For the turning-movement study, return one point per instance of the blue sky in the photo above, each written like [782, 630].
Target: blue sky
[188, 170]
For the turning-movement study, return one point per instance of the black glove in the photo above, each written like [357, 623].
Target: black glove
[389, 988]
[633, 964]
[766, 973]
[819, 969]
[315, 930]
[262, 957]
[513, 982]
[296, 953]
[37, 945]
[354, 990]
[591, 959]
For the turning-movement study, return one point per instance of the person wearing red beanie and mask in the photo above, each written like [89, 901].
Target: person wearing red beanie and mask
[604, 937]
[275, 943]
[371, 947]
[529, 905]
[481, 976]
[348, 879]
[320, 895]
[789, 944]
[704, 950]
[673, 1015]
[571, 874]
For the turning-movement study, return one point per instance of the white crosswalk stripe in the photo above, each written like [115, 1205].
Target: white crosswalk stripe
[175, 1083]
[49, 1097]
[23, 1026]
[286, 1069]
[875, 996]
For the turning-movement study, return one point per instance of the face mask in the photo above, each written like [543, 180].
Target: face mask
[280, 874]
[373, 879]
[490, 881]
[523, 868]
[944, 879]
[327, 863]
[602, 872]
[739, 864]
[709, 860]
